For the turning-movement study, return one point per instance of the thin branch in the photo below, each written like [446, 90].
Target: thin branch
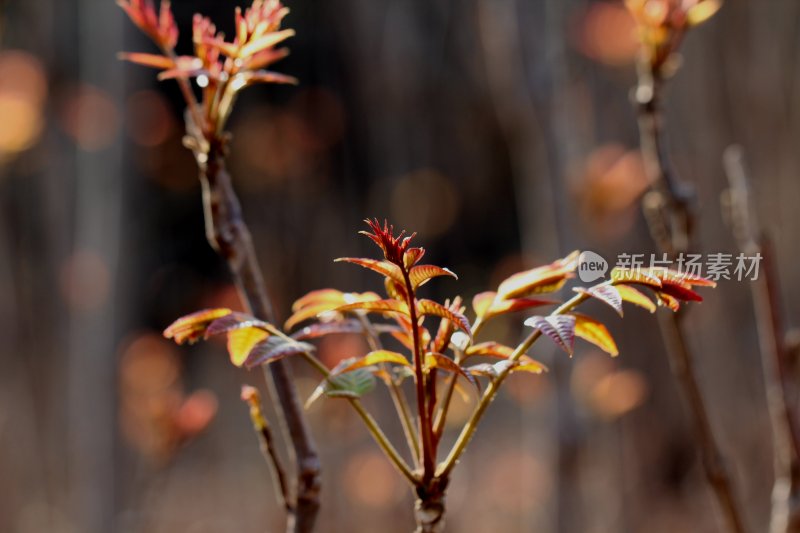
[228, 234]
[774, 352]
[489, 394]
[668, 212]
[265, 441]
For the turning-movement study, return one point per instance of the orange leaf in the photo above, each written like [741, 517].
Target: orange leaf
[482, 301]
[429, 307]
[496, 351]
[421, 274]
[636, 297]
[191, 327]
[148, 60]
[668, 300]
[374, 358]
[642, 277]
[384, 268]
[242, 341]
[545, 278]
[441, 361]
[376, 306]
[267, 41]
[233, 321]
[412, 256]
[594, 331]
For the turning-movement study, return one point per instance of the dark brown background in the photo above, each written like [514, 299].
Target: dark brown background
[500, 130]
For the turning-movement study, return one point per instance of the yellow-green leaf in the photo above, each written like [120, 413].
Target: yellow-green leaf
[242, 341]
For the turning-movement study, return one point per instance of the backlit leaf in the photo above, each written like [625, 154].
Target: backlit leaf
[594, 331]
[642, 277]
[412, 256]
[374, 358]
[384, 268]
[500, 307]
[702, 11]
[608, 294]
[192, 327]
[496, 351]
[482, 301]
[545, 278]
[395, 290]
[681, 293]
[242, 341]
[148, 60]
[668, 300]
[560, 328]
[275, 348]
[376, 306]
[636, 297]
[429, 307]
[441, 361]
[317, 302]
[532, 368]
[421, 274]
[266, 41]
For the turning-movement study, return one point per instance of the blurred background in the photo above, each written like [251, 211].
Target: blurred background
[499, 130]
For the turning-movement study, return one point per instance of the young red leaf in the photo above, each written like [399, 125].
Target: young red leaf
[560, 328]
[636, 297]
[668, 300]
[384, 268]
[412, 256]
[421, 274]
[429, 307]
[545, 278]
[374, 358]
[681, 292]
[608, 294]
[441, 361]
[242, 341]
[594, 331]
[275, 348]
[191, 328]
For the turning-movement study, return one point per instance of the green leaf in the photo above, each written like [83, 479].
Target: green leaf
[350, 385]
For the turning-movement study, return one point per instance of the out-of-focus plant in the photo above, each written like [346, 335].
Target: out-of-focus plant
[669, 211]
[218, 70]
[430, 357]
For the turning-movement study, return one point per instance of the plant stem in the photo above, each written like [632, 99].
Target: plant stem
[425, 428]
[398, 398]
[373, 427]
[230, 237]
[785, 516]
[670, 220]
[491, 391]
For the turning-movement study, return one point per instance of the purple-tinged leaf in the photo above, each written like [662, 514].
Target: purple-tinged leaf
[608, 294]
[560, 328]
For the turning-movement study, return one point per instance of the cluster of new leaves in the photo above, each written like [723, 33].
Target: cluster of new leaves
[404, 317]
[221, 68]
[663, 23]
